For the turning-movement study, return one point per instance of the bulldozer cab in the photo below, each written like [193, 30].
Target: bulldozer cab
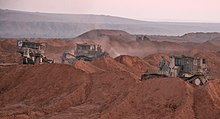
[83, 49]
[29, 44]
[32, 52]
[188, 65]
[87, 49]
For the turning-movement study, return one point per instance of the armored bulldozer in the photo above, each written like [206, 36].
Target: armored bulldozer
[32, 52]
[191, 69]
[85, 52]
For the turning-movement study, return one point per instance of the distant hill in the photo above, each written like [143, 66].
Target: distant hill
[198, 37]
[109, 34]
[18, 24]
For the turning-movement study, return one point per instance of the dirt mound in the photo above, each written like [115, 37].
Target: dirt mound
[94, 34]
[158, 98]
[85, 91]
[206, 101]
[40, 89]
[109, 64]
[37, 90]
[87, 67]
[154, 59]
[135, 64]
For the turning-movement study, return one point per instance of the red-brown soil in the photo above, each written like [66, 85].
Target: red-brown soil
[64, 91]
[135, 64]
[108, 87]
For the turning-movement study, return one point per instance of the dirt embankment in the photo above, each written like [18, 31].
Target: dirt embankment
[106, 88]
[135, 64]
[44, 90]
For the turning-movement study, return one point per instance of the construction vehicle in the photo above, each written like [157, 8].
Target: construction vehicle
[85, 52]
[190, 69]
[32, 52]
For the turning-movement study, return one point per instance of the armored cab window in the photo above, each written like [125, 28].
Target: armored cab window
[203, 61]
[87, 47]
[188, 64]
[83, 47]
[31, 45]
[177, 62]
[79, 47]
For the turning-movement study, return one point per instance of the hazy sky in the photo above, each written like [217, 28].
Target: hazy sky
[148, 10]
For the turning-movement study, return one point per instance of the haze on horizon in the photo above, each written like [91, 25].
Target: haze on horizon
[147, 10]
